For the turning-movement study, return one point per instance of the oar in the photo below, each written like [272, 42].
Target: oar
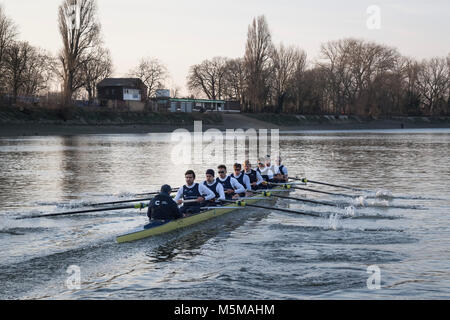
[119, 202]
[152, 193]
[244, 204]
[304, 180]
[137, 206]
[329, 193]
[305, 200]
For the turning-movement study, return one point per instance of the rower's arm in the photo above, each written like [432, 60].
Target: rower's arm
[259, 177]
[276, 170]
[208, 194]
[247, 183]
[221, 192]
[238, 188]
[179, 195]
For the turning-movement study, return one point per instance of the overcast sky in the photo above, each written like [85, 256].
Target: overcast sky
[183, 33]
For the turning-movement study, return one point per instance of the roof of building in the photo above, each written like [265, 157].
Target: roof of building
[121, 82]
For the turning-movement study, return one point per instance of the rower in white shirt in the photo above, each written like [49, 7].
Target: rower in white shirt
[283, 171]
[192, 195]
[231, 186]
[266, 171]
[274, 170]
[216, 187]
[243, 179]
[256, 180]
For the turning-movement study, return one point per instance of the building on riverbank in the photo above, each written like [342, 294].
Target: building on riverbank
[122, 94]
[167, 104]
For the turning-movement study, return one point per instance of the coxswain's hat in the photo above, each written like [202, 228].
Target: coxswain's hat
[166, 189]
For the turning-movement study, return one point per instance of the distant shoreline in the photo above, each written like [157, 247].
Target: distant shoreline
[42, 129]
[78, 121]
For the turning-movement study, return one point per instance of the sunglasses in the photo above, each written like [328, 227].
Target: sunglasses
[221, 172]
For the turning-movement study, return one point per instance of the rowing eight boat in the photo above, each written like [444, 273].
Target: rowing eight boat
[160, 227]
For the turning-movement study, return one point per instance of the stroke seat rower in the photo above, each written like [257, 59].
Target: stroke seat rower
[192, 195]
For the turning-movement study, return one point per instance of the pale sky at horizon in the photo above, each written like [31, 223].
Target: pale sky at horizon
[183, 33]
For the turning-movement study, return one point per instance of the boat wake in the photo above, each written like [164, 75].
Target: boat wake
[388, 195]
[363, 202]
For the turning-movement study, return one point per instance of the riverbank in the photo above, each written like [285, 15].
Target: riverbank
[38, 122]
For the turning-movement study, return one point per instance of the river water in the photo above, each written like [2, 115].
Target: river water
[249, 254]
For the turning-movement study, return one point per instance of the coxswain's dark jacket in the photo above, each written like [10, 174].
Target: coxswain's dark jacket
[163, 207]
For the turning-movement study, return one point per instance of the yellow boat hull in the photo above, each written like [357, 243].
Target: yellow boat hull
[185, 222]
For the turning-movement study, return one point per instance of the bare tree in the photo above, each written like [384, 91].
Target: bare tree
[288, 62]
[28, 69]
[235, 80]
[433, 81]
[257, 63]
[153, 74]
[40, 72]
[352, 66]
[8, 33]
[97, 68]
[80, 32]
[334, 63]
[17, 57]
[208, 78]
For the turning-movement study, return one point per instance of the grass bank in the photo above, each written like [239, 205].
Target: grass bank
[98, 117]
[290, 120]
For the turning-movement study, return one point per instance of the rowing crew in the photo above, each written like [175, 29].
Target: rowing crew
[193, 196]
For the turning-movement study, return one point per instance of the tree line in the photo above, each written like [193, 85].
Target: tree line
[350, 77]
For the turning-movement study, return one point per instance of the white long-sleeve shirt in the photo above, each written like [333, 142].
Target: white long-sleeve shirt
[269, 171]
[246, 181]
[204, 191]
[219, 190]
[238, 188]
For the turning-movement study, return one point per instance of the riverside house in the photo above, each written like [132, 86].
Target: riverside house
[122, 94]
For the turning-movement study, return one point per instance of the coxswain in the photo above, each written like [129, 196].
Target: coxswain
[192, 195]
[230, 185]
[216, 187]
[163, 207]
[242, 178]
[256, 180]
[283, 171]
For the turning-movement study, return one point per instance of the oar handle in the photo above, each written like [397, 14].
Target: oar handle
[190, 201]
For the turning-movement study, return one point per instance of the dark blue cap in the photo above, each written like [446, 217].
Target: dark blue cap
[166, 189]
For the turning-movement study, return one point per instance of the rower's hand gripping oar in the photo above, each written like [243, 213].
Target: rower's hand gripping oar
[137, 206]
